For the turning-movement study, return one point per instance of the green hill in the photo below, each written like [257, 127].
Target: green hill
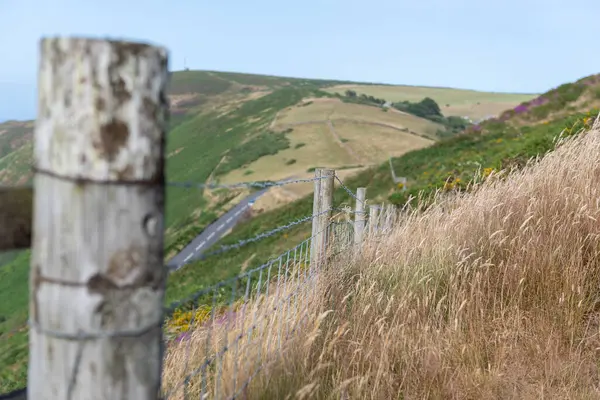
[219, 114]
[223, 123]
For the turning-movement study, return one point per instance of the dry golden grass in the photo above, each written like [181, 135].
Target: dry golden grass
[318, 148]
[489, 295]
[477, 111]
[461, 102]
[376, 139]
[335, 109]
[376, 143]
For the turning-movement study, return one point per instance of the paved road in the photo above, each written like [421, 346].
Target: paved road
[213, 232]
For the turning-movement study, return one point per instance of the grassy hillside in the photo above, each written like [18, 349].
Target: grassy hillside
[328, 132]
[232, 126]
[245, 121]
[566, 99]
[15, 138]
[490, 295]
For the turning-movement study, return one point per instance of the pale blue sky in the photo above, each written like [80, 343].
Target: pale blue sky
[510, 46]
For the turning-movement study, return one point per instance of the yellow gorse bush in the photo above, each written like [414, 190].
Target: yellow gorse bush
[449, 185]
[583, 123]
[182, 321]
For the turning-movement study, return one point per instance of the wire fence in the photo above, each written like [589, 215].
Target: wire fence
[221, 337]
[234, 328]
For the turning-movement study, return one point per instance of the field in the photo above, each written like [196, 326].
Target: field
[334, 109]
[313, 144]
[308, 144]
[468, 103]
[329, 133]
[376, 143]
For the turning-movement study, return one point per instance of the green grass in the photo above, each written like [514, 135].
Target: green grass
[273, 81]
[14, 297]
[452, 163]
[197, 82]
[559, 102]
[15, 167]
[205, 139]
[13, 135]
[264, 144]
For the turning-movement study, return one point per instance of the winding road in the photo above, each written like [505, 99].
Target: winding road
[212, 233]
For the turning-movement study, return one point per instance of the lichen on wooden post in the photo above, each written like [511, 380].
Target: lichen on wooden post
[97, 276]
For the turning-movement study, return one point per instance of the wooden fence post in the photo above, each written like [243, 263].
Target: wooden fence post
[373, 217]
[359, 216]
[389, 211]
[97, 277]
[322, 202]
[315, 220]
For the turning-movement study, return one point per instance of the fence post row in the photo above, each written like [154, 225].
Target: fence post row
[359, 216]
[97, 276]
[322, 202]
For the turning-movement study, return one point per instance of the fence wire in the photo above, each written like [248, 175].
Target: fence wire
[195, 257]
[350, 193]
[220, 342]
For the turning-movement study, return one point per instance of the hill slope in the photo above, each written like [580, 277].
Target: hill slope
[490, 295]
[223, 125]
[231, 127]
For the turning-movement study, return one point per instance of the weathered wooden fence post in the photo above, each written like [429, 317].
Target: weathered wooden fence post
[373, 218]
[315, 219]
[322, 203]
[389, 215]
[97, 277]
[359, 216]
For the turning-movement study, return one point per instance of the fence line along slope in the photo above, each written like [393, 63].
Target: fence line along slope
[487, 296]
[241, 243]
